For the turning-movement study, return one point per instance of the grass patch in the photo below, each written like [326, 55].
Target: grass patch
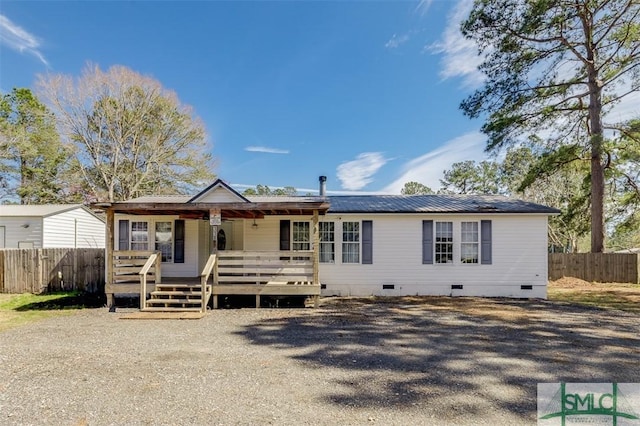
[21, 309]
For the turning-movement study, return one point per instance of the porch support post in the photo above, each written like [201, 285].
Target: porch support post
[316, 255]
[108, 276]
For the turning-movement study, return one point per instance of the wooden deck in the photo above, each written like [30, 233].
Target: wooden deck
[259, 273]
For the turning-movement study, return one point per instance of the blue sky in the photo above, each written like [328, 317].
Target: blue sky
[364, 92]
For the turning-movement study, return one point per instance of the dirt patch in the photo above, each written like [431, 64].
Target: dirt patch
[624, 297]
[572, 291]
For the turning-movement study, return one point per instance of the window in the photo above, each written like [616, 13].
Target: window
[444, 242]
[164, 240]
[469, 242]
[139, 236]
[300, 236]
[327, 244]
[350, 242]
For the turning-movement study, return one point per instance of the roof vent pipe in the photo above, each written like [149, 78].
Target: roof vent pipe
[323, 185]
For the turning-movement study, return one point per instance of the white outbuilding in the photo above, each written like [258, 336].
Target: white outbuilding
[50, 226]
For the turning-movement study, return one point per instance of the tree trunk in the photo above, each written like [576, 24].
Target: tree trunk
[597, 170]
[596, 138]
[597, 195]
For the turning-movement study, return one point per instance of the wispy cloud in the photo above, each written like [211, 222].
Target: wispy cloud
[356, 174]
[460, 56]
[428, 168]
[17, 38]
[397, 40]
[423, 6]
[303, 191]
[266, 150]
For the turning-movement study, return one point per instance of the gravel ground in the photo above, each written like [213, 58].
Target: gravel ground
[402, 362]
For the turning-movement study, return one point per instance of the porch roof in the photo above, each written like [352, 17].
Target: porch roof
[181, 206]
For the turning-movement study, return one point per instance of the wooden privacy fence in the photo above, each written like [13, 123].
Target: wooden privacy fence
[53, 269]
[597, 267]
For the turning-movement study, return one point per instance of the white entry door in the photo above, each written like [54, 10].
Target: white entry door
[2, 236]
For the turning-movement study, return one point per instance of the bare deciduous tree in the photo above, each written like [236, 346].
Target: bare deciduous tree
[130, 135]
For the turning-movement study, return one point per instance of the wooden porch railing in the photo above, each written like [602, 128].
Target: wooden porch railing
[267, 273]
[127, 265]
[264, 267]
[273, 273]
[152, 262]
[210, 267]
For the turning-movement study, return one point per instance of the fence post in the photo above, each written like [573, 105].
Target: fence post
[2, 273]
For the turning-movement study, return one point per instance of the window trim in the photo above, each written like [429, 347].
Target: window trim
[294, 233]
[356, 243]
[438, 254]
[475, 243]
[151, 236]
[331, 243]
[170, 241]
[131, 239]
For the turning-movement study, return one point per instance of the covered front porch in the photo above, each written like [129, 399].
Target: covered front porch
[178, 253]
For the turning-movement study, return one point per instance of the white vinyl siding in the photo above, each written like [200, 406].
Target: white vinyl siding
[22, 230]
[73, 228]
[219, 194]
[519, 257]
[67, 229]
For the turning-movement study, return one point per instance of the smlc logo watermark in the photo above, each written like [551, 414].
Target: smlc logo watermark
[616, 404]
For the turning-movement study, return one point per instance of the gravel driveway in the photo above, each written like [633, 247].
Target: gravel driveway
[407, 362]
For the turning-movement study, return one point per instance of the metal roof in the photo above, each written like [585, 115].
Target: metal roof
[283, 199]
[41, 210]
[437, 203]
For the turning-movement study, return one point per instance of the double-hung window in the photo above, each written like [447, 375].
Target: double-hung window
[350, 242]
[469, 242]
[164, 240]
[301, 239]
[327, 242]
[139, 235]
[444, 242]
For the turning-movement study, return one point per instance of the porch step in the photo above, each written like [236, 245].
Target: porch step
[178, 287]
[169, 309]
[177, 293]
[176, 298]
[173, 301]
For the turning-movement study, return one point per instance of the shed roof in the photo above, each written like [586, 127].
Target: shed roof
[39, 210]
[436, 203]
